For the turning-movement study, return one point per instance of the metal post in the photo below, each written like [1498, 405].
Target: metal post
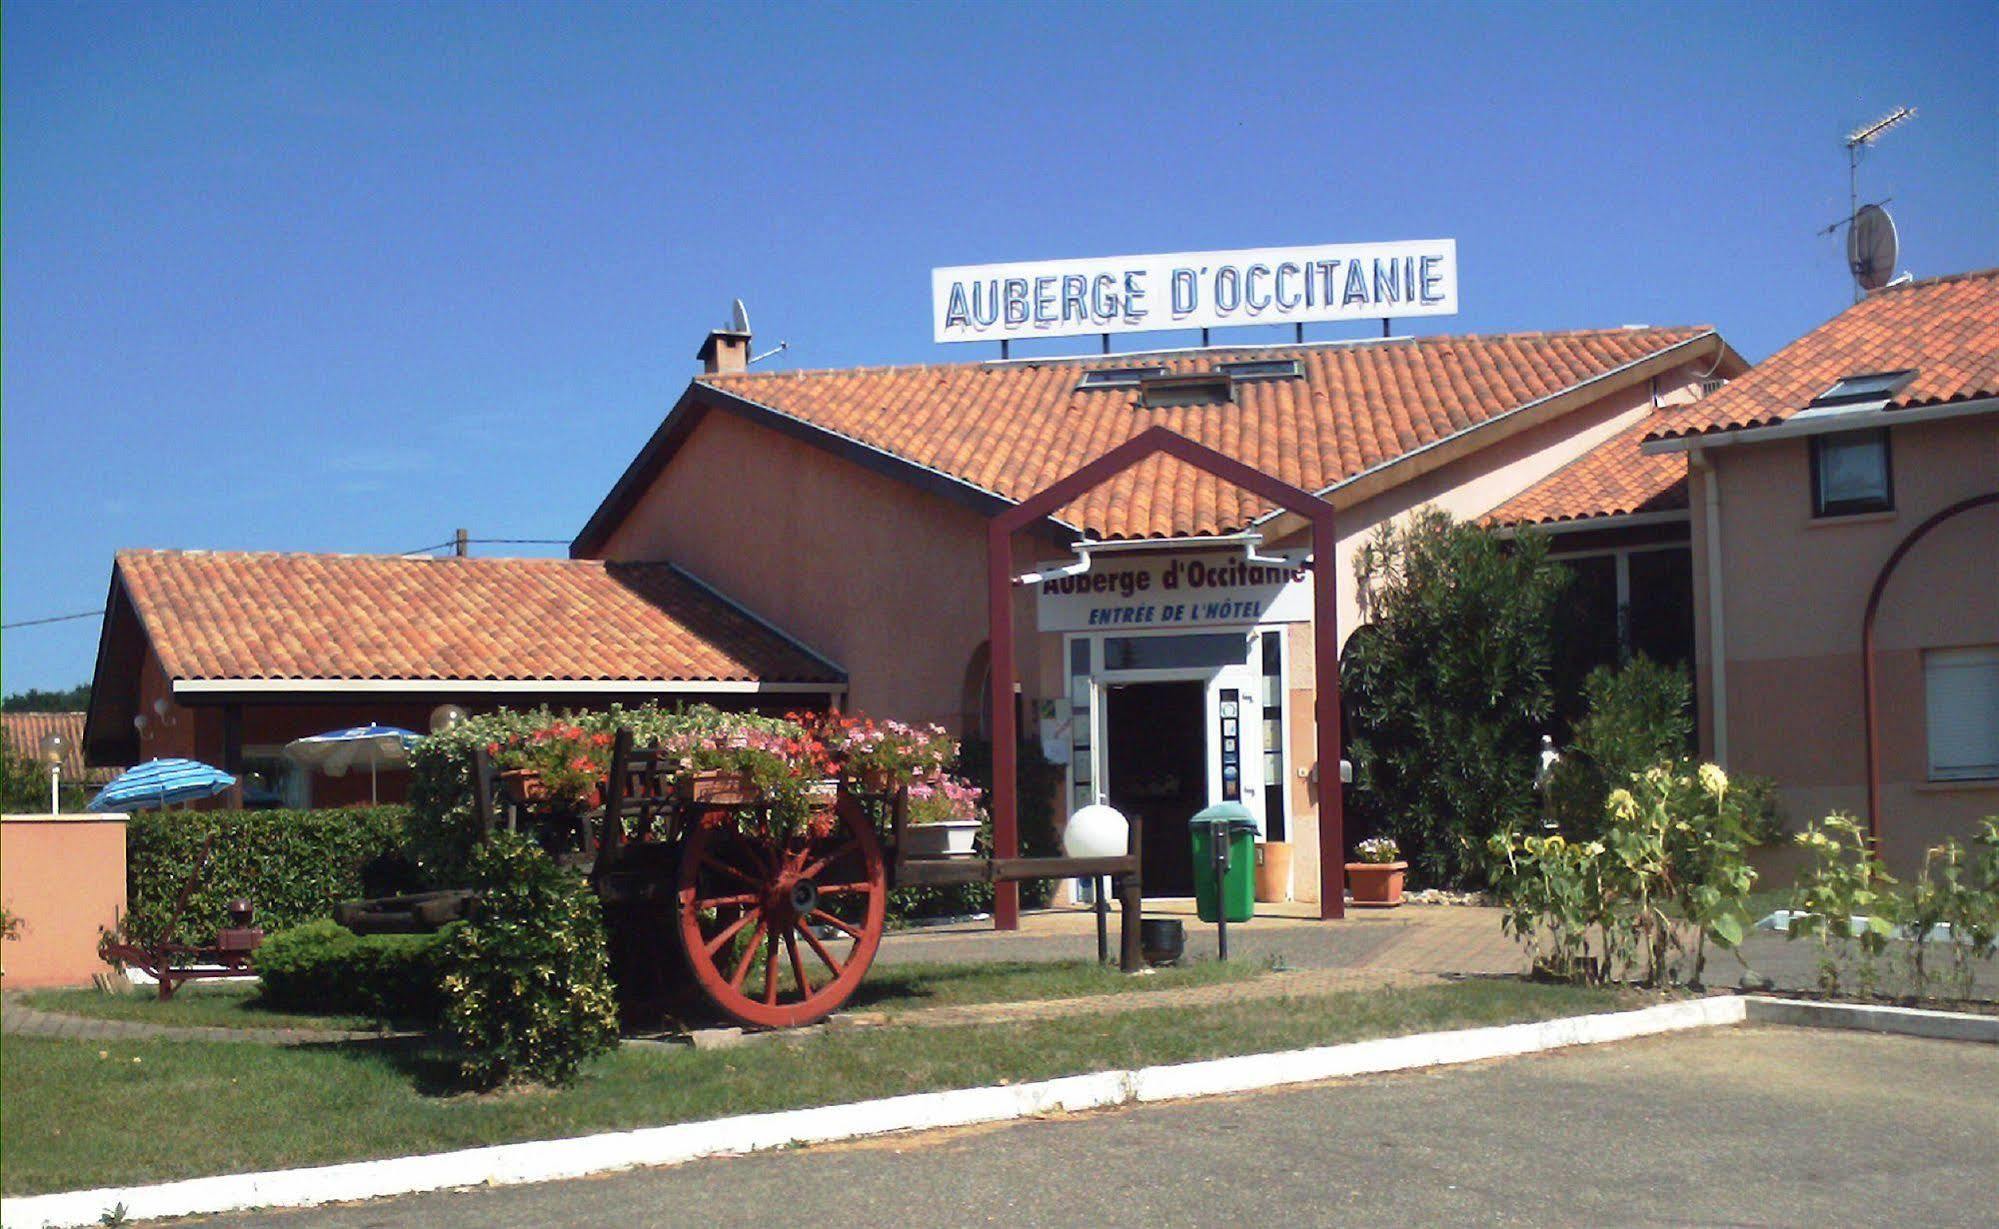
[1385, 322]
[1006, 351]
[461, 544]
[1218, 853]
[55, 787]
[1006, 787]
[1298, 333]
[1107, 343]
[1101, 887]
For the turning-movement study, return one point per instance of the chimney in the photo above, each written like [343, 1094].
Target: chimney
[725, 351]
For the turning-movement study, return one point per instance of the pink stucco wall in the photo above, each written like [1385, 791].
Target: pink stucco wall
[1793, 592]
[64, 878]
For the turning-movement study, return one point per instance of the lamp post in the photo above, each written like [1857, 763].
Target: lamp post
[54, 745]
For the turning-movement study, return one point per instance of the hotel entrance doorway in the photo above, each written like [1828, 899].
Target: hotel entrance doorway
[1156, 768]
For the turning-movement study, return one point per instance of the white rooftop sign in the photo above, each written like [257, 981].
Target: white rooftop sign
[1196, 290]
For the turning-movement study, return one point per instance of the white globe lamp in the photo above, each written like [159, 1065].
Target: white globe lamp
[1096, 831]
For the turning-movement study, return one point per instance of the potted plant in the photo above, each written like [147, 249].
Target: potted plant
[557, 767]
[779, 767]
[943, 819]
[1376, 877]
[875, 757]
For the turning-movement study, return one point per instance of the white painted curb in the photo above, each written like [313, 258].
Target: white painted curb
[548, 1160]
[1875, 1018]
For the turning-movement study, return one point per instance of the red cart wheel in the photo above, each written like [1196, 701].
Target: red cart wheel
[780, 929]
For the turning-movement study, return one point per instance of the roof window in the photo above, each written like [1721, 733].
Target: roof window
[1266, 369]
[1855, 393]
[1118, 377]
[1193, 388]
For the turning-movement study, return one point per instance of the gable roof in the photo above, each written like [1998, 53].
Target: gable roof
[1612, 479]
[1945, 328]
[244, 616]
[24, 733]
[995, 433]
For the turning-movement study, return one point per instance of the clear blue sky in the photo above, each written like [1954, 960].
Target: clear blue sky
[345, 277]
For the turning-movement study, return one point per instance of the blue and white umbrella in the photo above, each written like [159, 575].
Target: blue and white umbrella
[158, 783]
[336, 751]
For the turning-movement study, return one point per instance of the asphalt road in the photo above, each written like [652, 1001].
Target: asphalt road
[1728, 1127]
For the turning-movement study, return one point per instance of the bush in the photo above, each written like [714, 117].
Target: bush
[527, 982]
[324, 967]
[294, 865]
[1670, 866]
[1039, 785]
[1635, 715]
[1448, 688]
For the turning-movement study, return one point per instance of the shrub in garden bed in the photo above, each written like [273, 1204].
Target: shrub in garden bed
[323, 967]
[527, 979]
[294, 865]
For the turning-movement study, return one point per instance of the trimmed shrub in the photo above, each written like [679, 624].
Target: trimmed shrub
[324, 967]
[1448, 688]
[527, 982]
[294, 865]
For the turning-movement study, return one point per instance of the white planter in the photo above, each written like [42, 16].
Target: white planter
[951, 839]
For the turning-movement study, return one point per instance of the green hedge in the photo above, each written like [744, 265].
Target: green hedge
[324, 967]
[293, 865]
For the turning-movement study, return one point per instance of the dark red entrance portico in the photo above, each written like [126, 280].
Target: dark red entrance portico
[1325, 629]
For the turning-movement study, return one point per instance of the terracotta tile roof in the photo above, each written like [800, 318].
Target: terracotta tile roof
[1946, 328]
[24, 733]
[1010, 429]
[275, 616]
[1612, 479]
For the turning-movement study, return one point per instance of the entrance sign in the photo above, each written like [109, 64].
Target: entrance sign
[1195, 290]
[1174, 591]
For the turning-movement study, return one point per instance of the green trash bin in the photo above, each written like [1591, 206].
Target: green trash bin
[1237, 889]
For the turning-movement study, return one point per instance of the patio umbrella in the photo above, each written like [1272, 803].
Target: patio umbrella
[157, 783]
[336, 751]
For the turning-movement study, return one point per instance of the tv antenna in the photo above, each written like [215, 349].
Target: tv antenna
[1871, 243]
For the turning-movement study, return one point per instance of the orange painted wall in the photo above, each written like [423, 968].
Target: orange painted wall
[64, 877]
[1794, 590]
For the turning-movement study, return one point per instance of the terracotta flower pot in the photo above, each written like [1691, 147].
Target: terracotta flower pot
[719, 788]
[1376, 885]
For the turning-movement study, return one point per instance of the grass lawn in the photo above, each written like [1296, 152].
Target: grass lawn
[888, 988]
[82, 1114]
[213, 1006]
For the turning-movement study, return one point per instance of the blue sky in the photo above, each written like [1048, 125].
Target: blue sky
[345, 277]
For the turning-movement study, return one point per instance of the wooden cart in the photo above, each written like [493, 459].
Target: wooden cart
[776, 929]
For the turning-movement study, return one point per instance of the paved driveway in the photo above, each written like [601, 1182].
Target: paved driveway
[1728, 1127]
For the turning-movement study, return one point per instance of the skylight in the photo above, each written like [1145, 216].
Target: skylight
[1265, 369]
[1855, 393]
[1118, 377]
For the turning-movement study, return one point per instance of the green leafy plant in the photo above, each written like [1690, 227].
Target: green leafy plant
[293, 865]
[1449, 686]
[1843, 881]
[324, 967]
[527, 984]
[1955, 897]
[948, 799]
[1667, 876]
[1377, 850]
[1635, 715]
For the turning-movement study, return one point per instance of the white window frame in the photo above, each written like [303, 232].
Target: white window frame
[1974, 660]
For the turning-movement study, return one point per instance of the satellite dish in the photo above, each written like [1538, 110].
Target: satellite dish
[739, 316]
[1871, 247]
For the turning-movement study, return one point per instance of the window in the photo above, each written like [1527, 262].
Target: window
[1274, 828]
[1118, 377]
[1196, 388]
[1265, 369]
[1851, 473]
[1873, 389]
[1191, 651]
[270, 780]
[1961, 687]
